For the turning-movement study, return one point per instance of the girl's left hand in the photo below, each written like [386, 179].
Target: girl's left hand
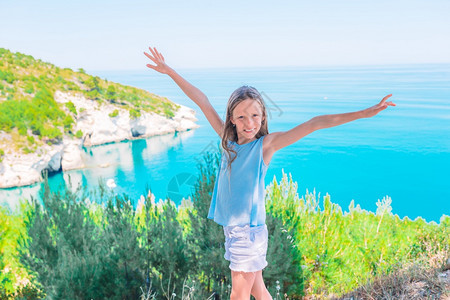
[160, 65]
[372, 111]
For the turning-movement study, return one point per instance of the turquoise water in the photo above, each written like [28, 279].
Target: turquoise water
[403, 152]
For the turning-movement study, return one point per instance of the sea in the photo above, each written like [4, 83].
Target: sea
[401, 155]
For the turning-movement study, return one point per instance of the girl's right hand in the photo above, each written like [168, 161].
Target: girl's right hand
[158, 59]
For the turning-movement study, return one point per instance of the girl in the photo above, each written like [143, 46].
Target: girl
[238, 198]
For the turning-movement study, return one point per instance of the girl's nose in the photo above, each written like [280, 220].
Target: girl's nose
[249, 122]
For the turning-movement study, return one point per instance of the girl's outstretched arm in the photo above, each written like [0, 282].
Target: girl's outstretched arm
[278, 140]
[191, 91]
[327, 121]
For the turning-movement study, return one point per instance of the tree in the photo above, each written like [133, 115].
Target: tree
[206, 239]
[111, 93]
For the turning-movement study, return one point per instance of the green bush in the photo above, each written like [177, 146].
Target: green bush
[27, 150]
[71, 107]
[52, 133]
[93, 94]
[60, 80]
[12, 226]
[7, 76]
[111, 93]
[79, 134]
[341, 250]
[134, 113]
[67, 122]
[22, 129]
[29, 88]
[92, 83]
[168, 113]
[114, 114]
[68, 237]
[31, 139]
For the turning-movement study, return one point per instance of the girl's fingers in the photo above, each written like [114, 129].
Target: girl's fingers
[149, 56]
[385, 98]
[157, 53]
[153, 52]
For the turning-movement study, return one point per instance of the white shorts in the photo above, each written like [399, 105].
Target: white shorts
[246, 247]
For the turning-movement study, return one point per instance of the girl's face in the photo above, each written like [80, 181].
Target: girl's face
[247, 116]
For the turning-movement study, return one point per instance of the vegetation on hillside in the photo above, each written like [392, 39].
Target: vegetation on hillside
[29, 112]
[67, 247]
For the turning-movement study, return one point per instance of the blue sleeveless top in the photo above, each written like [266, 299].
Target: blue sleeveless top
[238, 197]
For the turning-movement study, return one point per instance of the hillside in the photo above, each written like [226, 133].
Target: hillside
[47, 114]
[27, 103]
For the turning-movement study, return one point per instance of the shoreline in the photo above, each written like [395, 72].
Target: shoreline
[99, 128]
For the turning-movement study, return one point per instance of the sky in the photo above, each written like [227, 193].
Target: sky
[112, 35]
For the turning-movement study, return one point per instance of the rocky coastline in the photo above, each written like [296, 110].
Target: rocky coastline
[98, 127]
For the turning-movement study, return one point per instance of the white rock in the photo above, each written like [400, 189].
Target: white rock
[20, 170]
[72, 155]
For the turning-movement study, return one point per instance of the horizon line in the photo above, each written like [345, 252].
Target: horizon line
[381, 65]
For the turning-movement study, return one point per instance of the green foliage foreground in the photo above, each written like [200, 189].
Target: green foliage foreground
[69, 247]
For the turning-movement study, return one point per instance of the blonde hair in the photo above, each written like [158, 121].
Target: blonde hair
[229, 132]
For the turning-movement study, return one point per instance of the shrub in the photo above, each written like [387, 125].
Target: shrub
[30, 139]
[22, 129]
[7, 76]
[168, 113]
[79, 134]
[93, 94]
[135, 113]
[29, 88]
[111, 93]
[114, 114]
[71, 107]
[27, 150]
[67, 122]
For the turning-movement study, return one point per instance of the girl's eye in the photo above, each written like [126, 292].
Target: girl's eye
[255, 115]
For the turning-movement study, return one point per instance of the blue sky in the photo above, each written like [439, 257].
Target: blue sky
[112, 35]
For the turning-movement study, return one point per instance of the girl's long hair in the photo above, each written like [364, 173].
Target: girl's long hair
[229, 132]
